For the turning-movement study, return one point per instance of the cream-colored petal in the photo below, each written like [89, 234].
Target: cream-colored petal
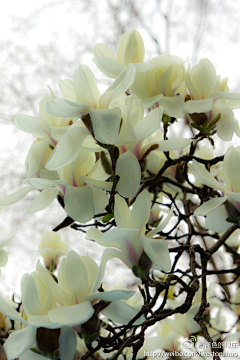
[19, 341]
[106, 124]
[79, 203]
[86, 87]
[129, 171]
[119, 86]
[72, 315]
[43, 200]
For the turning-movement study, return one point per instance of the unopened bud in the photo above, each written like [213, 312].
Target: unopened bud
[233, 213]
[198, 119]
[86, 119]
[106, 163]
[47, 339]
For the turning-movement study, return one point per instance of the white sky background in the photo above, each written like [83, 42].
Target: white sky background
[42, 42]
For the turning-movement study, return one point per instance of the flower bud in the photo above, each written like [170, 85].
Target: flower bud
[47, 339]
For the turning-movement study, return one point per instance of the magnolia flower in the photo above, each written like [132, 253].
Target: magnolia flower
[206, 88]
[3, 254]
[48, 130]
[223, 211]
[159, 87]
[72, 185]
[137, 250]
[37, 300]
[51, 247]
[136, 130]
[104, 117]
[130, 50]
[77, 296]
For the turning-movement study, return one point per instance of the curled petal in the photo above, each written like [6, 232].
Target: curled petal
[120, 85]
[11, 313]
[43, 200]
[68, 148]
[210, 206]
[16, 196]
[65, 108]
[19, 341]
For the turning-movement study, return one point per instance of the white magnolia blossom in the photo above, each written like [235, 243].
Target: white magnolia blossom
[205, 87]
[137, 250]
[52, 247]
[220, 209]
[105, 116]
[73, 185]
[130, 50]
[48, 130]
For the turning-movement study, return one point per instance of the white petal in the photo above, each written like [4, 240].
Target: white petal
[35, 155]
[41, 321]
[129, 171]
[106, 124]
[11, 313]
[103, 51]
[141, 211]
[225, 126]
[207, 178]
[32, 125]
[79, 203]
[225, 95]
[109, 66]
[99, 184]
[162, 224]
[108, 254]
[43, 200]
[16, 196]
[150, 101]
[157, 251]
[31, 355]
[120, 85]
[57, 132]
[216, 220]
[19, 341]
[209, 206]
[121, 212]
[86, 87]
[30, 299]
[72, 315]
[138, 88]
[173, 144]
[122, 313]
[94, 234]
[110, 295]
[231, 167]
[67, 343]
[173, 106]
[68, 148]
[73, 277]
[149, 124]
[198, 106]
[67, 89]
[65, 108]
